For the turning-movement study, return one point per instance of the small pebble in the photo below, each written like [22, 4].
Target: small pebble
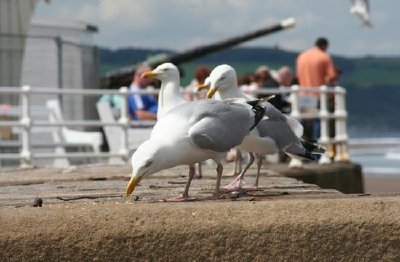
[136, 198]
[38, 202]
[234, 195]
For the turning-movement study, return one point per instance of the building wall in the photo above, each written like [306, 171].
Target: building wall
[67, 59]
[14, 20]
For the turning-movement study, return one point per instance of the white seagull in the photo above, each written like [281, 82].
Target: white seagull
[191, 133]
[170, 91]
[274, 132]
[361, 9]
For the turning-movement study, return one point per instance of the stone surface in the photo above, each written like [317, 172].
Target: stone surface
[95, 182]
[84, 218]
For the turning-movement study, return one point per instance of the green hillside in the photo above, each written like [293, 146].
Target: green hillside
[374, 72]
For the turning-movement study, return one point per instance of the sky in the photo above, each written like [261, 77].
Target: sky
[183, 24]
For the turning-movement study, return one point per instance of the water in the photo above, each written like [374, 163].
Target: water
[380, 161]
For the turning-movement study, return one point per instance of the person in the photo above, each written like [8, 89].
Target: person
[264, 78]
[314, 67]
[248, 84]
[285, 76]
[142, 106]
[201, 73]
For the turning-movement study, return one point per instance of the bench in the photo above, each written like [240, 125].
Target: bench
[113, 134]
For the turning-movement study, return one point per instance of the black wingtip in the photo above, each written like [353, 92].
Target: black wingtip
[312, 147]
[259, 112]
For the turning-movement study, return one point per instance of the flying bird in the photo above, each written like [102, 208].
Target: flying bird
[361, 9]
[191, 133]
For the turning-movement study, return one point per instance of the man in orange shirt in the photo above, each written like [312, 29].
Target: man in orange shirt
[314, 67]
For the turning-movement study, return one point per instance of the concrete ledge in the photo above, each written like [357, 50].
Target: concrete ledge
[345, 228]
[344, 177]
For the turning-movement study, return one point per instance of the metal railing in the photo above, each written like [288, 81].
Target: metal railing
[26, 123]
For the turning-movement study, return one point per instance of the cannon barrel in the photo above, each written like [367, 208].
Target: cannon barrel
[123, 76]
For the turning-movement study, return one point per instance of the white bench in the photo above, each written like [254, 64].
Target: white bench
[49, 139]
[113, 134]
[69, 136]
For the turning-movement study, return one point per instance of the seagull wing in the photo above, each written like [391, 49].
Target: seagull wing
[219, 126]
[366, 3]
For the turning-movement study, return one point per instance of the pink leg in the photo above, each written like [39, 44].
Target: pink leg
[237, 183]
[185, 195]
[220, 169]
[199, 175]
[238, 164]
[259, 163]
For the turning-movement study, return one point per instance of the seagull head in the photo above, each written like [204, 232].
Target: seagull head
[205, 85]
[145, 161]
[221, 79]
[163, 72]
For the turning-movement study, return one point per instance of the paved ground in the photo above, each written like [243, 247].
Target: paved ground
[84, 218]
[102, 183]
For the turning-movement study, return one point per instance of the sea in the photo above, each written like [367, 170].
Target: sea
[382, 159]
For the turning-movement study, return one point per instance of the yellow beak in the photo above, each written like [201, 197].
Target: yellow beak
[211, 92]
[133, 182]
[201, 87]
[149, 74]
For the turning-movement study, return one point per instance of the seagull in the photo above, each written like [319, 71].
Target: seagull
[361, 9]
[274, 132]
[238, 154]
[170, 92]
[191, 133]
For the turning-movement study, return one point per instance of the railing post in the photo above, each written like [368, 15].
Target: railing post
[295, 111]
[124, 120]
[340, 125]
[26, 121]
[60, 68]
[324, 115]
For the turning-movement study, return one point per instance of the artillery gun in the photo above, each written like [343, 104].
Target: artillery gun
[123, 76]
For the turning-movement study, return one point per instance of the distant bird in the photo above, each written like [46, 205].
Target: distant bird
[194, 132]
[361, 9]
[274, 132]
[170, 91]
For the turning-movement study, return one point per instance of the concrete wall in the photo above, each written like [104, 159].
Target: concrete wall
[14, 20]
[344, 229]
[64, 50]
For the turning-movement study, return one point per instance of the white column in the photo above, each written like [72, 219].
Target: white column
[26, 121]
[341, 135]
[124, 120]
[295, 113]
[294, 100]
[324, 118]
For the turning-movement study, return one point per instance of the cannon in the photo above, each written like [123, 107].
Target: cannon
[123, 76]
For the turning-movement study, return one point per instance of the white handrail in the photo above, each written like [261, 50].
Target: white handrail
[26, 123]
